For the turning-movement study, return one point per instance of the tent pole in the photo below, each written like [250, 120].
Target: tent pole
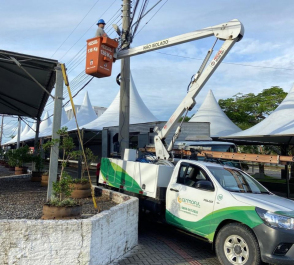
[1, 130]
[53, 166]
[18, 133]
[37, 135]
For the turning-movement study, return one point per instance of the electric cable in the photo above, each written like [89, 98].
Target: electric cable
[249, 65]
[74, 28]
[86, 31]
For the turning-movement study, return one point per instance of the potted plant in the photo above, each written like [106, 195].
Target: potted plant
[82, 187]
[11, 160]
[6, 158]
[67, 148]
[21, 155]
[61, 206]
[39, 166]
[44, 179]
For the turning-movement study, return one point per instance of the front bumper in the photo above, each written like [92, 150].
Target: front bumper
[269, 238]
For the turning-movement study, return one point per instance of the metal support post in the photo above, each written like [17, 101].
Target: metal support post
[36, 142]
[124, 111]
[1, 135]
[37, 135]
[53, 166]
[18, 132]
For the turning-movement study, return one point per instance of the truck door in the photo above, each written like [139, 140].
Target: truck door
[187, 205]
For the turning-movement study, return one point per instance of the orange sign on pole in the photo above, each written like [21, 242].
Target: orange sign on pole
[99, 57]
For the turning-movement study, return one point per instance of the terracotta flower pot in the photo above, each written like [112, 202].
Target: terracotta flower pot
[36, 176]
[44, 180]
[81, 190]
[18, 170]
[57, 213]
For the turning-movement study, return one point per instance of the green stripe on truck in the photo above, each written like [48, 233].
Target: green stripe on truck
[207, 226]
[116, 176]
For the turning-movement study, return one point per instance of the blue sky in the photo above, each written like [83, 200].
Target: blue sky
[40, 27]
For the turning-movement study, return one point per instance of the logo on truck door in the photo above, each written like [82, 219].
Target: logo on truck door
[188, 202]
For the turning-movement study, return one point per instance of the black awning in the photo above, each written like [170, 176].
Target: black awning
[19, 94]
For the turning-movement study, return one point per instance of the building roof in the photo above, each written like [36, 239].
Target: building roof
[210, 111]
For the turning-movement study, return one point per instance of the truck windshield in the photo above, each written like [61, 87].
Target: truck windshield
[236, 180]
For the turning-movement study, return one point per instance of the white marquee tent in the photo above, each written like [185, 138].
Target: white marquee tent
[210, 111]
[14, 139]
[85, 115]
[46, 122]
[48, 131]
[139, 113]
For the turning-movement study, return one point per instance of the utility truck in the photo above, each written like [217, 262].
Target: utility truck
[244, 221]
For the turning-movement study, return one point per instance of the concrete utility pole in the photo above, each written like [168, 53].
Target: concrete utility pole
[18, 133]
[124, 111]
[53, 166]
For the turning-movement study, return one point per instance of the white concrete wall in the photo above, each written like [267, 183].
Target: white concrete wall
[97, 240]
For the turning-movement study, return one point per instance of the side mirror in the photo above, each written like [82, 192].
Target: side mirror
[204, 185]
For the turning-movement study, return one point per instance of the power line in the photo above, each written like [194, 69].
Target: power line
[151, 17]
[110, 21]
[86, 31]
[75, 28]
[248, 65]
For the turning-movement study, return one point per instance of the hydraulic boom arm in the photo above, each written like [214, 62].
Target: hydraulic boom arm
[229, 32]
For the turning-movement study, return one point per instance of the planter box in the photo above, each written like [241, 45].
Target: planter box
[98, 240]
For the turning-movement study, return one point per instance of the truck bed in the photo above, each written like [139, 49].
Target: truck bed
[137, 177]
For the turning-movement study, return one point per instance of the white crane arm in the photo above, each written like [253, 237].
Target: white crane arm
[229, 30]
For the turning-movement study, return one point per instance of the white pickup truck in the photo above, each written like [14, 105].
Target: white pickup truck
[245, 222]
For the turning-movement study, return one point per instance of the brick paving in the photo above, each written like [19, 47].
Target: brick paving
[160, 244]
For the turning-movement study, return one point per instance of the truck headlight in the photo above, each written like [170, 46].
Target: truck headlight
[275, 220]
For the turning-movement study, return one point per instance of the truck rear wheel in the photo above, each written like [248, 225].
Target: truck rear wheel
[236, 245]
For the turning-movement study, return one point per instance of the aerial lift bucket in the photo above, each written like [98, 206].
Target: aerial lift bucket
[99, 59]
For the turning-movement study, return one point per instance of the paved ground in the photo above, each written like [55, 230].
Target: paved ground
[163, 244]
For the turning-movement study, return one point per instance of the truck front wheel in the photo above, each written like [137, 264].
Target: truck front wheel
[236, 244]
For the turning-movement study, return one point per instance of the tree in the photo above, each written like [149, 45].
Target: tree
[186, 118]
[246, 110]
[249, 109]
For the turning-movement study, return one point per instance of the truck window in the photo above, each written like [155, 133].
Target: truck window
[236, 180]
[189, 174]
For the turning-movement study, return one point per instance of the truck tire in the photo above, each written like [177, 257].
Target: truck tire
[236, 245]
